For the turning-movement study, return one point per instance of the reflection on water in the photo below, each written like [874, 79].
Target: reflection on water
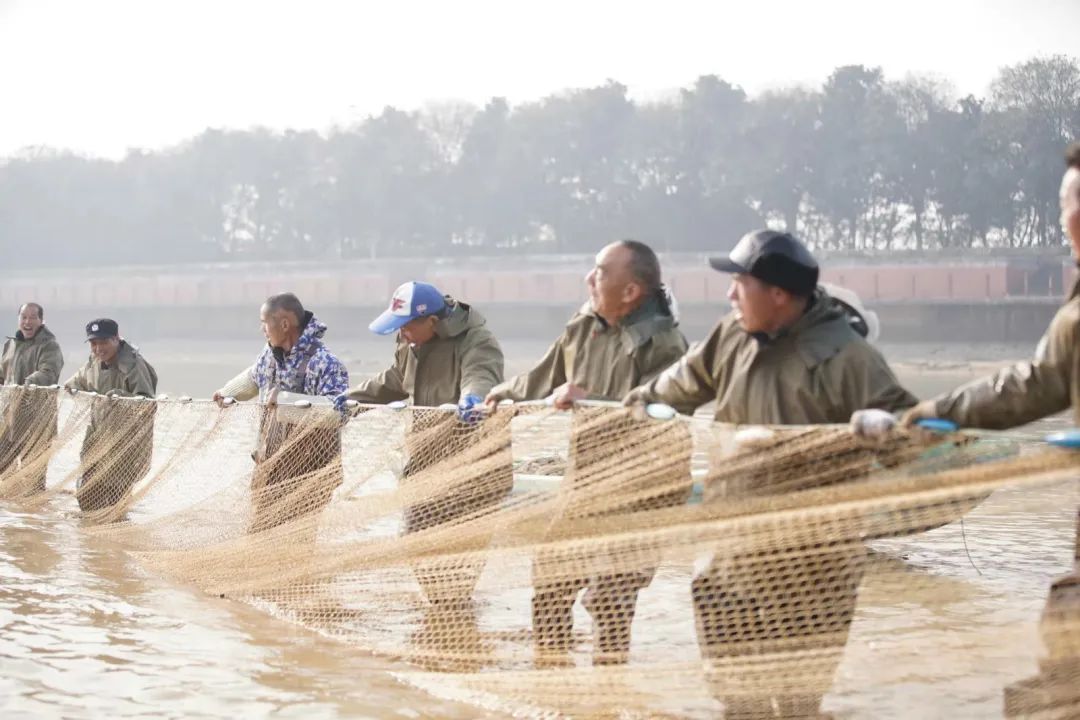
[85, 632]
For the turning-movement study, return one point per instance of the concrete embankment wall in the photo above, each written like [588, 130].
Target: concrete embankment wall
[959, 300]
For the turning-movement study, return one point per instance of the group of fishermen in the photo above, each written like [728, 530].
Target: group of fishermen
[788, 353]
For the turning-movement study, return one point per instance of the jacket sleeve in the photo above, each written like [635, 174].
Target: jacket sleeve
[241, 387]
[78, 380]
[139, 381]
[50, 362]
[869, 382]
[1024, 392]
[663, 352]
[481, 364]
[5, 360]
[333, 378]
[387, 386]
[686, 385]
[539, 382]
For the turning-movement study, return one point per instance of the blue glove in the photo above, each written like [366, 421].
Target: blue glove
[339, 402]
[468, 409]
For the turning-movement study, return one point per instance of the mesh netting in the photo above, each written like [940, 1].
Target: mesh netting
[588, 563]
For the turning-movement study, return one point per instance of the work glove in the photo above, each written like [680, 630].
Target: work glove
[469, 409]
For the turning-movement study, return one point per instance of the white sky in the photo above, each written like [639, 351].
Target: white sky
[101, 76]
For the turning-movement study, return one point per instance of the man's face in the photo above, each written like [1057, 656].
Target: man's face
[612, 289]
[756, 303]
[1070, 208]
[104, 349]
[29, 322]
[275, 326]
[419, 331]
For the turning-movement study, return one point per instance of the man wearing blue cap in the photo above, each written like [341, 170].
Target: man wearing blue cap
[445, 355]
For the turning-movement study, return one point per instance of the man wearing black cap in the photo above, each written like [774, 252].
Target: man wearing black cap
[119, 440]
[784, 337]
[787, 354]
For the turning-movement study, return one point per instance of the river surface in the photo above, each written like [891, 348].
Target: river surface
[86, 632]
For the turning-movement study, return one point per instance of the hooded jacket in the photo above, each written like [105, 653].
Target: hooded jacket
[463, 358]
[608, 361]
[36, 361]
[818, 371]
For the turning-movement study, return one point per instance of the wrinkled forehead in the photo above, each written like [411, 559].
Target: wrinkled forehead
[1070, 183]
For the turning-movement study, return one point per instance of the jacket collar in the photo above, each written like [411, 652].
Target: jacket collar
[821, 332]
[637, 328]
[460, 318]
[43, 333]
[125, 358]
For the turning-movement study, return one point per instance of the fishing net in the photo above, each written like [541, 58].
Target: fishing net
[596, 563]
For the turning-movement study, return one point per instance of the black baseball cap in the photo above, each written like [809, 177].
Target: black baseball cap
[102, 328]
[773, 257]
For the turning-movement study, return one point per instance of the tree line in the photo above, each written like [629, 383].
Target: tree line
[860, 164]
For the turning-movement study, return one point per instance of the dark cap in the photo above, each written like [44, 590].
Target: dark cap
[775, 258]
[102, 328]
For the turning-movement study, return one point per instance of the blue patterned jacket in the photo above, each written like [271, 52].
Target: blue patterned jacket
[308, 368]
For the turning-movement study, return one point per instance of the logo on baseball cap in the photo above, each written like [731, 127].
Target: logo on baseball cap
[410, 301]
[102, 328]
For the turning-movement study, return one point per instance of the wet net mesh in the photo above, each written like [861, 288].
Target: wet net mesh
[597, 562]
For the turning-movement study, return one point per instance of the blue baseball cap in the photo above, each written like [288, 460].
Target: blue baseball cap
[410, 301]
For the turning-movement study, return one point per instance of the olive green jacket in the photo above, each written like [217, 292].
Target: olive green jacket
[463, 358]
[129, 375]
[1045, 385]
[607, 361]
[818, 371]
[36, 361]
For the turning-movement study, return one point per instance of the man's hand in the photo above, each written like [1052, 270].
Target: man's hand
[491, 402]
[219, 399]
[271, 397]
[636, 403]
[923, 411]
[567, 394]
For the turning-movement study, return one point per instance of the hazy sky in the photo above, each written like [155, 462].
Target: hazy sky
[100, 76]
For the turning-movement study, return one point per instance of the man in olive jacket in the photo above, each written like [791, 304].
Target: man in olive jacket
[786, 354]
[623, 336]
[119, 441]
[445, 355]
[1047, 384]
[30, 357]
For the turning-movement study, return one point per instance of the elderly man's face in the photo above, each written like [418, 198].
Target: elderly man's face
[29, 322]
[105, 349]
[613, 292]
[276, 326]
[1070, 207]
